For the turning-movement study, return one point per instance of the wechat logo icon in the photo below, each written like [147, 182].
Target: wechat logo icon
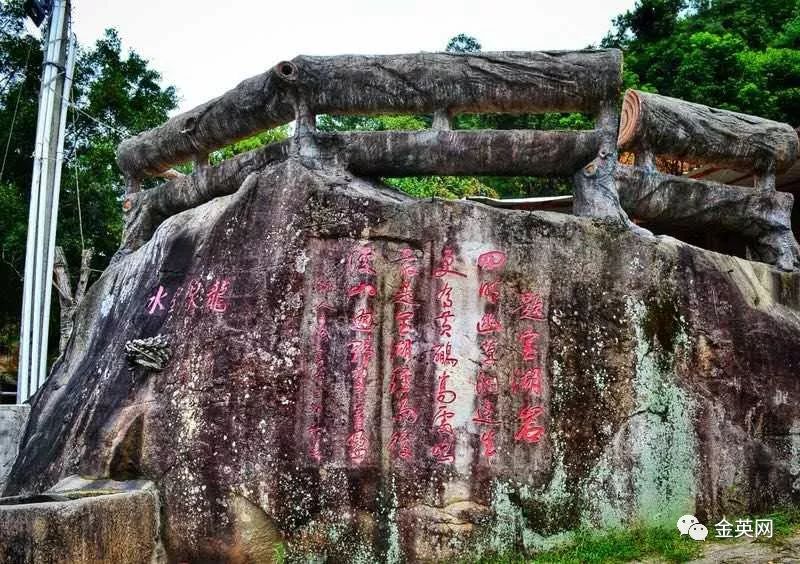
[689, 525]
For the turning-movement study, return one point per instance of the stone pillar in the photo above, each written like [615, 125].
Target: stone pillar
[12, 425]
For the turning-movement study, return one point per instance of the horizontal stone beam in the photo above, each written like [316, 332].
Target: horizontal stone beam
[384, 153]
[507, 82]
[463, 153]
[146, 210]
[658, 125]
[670, 202]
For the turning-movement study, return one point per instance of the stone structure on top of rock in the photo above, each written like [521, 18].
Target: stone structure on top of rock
[297, 355]
[447, 84]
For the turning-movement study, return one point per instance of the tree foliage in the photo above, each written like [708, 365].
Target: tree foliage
[115, 94]
[463, 43]
[742, 55]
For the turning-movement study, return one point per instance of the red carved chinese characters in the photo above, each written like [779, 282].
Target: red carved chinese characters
[486, 386]
[487, 443]
[485, 413]
[444, 297]
[408, 264]
[401, 382]
[217, 296]
[403, 348]
[154, 301]
[531, 306]
[442, 354]
[194, 296]
[444, 449]
[493, 260]
[490, 291]
[445, 266]
[527, 382]
[528, 339]
[444, 321]
[404, 294]
[362, 323]
[357, 446]
[361, 352]
[529, 430]
[489, 324]
[362, 289]
[489, 350]
[361, 260]
[400, 444]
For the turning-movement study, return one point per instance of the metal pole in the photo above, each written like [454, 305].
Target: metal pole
[44, 198]
[48, 86]
[31, 255]
[55, 191]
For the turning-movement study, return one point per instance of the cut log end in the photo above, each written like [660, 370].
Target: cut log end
[286, 70]
[629, 120]
[681, 130]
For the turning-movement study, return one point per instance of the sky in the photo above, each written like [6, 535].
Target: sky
[206, 47]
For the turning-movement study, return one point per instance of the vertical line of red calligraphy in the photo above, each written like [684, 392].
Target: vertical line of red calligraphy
[527, 381]
[401, 381]
[362, 325]
[486, 387]
[443, 449]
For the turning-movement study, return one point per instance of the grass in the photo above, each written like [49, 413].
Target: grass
[279, 553]
[785, 522]
[662, 543]
[624, 546]
[612, 547]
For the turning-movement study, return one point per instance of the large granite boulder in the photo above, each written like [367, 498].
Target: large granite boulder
[322, 363]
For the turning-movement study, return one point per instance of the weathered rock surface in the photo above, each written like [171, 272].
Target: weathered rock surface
[82, 523]
[12, 425]
[750, 552]
[612, 378]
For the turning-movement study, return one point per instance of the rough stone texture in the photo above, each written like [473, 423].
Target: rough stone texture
[651, 123]
[102, 527]
[668, 379]
[12, 425]
[415, 83]
[676, 204]
[751, 552]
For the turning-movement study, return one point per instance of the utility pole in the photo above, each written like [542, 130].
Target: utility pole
[59, 62]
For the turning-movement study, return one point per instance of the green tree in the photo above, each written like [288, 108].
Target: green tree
[463, 43]
[115, 94]
[735, 54]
